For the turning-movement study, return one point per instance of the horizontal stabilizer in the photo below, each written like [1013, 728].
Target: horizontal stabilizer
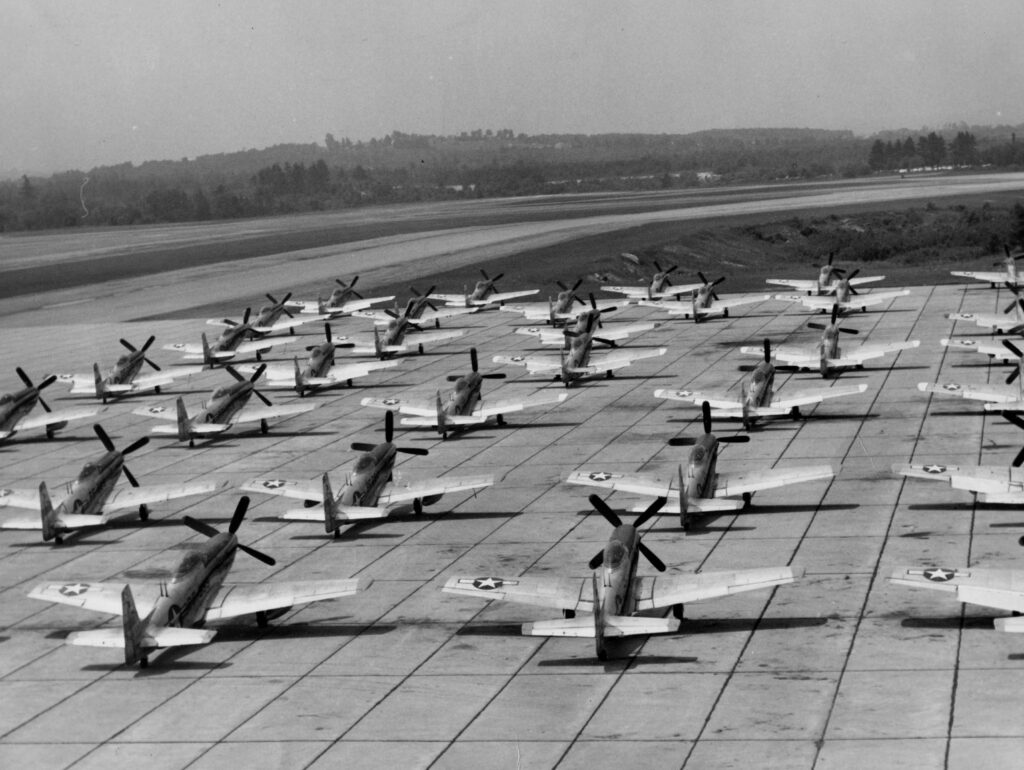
[696, 505]
[582, 625]
[1010, 625]
[198, 428]
[168, 636]
[343, 513]
[620, 625]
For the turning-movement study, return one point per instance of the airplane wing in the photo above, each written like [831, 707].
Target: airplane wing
[97, 597]
[402, 406]
[234, 600]
[393, 494]
[540, 363]
[157, 411]
[501, 296]
[981, 276]
[132, 497]
[721, 305]
[491, 408]
[44, 419]
[311, 489]
[264, 343]
[576, 594]
[547, 336]
[875, 298]
[23, 498]
[787, 400]
[603, 362]
[870, 350]
[697, 398]
[794, 283]
[319, 307]
[990, 482]
[666, 590]
[994, 349]
[983, 319]
[622, 331]
[866, 279]
[637, 483]
[1002, 589]
[419, 338]
[289, 323]
[995, 392]
[257, 413]
[448, 311]
[787, 354]
[733, 484]
[64, 521]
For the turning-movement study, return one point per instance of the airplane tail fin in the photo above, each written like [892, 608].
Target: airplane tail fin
[300, 386]
[682, 499]
[442, 427]
[184, 425]
[823, 363]
[49, 516]
[377, 346]
[598, 617]
[330, 507]
[101, 391]
[551, 312]
[134, 629]
[693, 308]
[208, 357]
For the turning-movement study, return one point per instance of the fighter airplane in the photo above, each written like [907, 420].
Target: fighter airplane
[560, 310]
[320, 370]
[419, 311]
[172, 612]
[463, 407]
[226, 407]
[990, 483]
[1008, 275]
[394, 341]
[827, 356]
[705, 302]
[1010, 321]
[660, 287]
[586, 320]
[758, 398]
[91, 500]
[616, 601]
[998, 398]
[845, 297]
[15, 408]
[485, 293]
[233, 342]
[267, 319]
[340, 303]
[369, 491]
[698, 486]
[124, 379]
[1001, 589]
[578, 361]
[991, 347]
[827, 281]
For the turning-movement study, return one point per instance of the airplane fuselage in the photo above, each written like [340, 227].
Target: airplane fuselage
[321, 359]
[232, 337]
[268, 315]
[699, 477]
[198, 577]
[658, 284]
[466, 396]
[338, 298]
[126, 369]
[614, 588]
[87, 493]
[14, 406]
[578, 356]
[760, 386]
[371, 473]
[225, 403]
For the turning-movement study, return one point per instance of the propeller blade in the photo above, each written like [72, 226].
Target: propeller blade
[577, 284]
[104, 438]
[1011, 306]
[605, 341]
[257, 554]
[1019, 459]
[239, 514]
[652, 510]
[682, 441]
[46, 407]
[597, 560]
[389, 425]
[657, 266]
[844, 330]
[767, 351]
[853, 275]
[741, 439]
[234, 372]
[128, 475]
[1015, 418]
[200, 526]
[702, 278]
[245, 317]
[257, 374]
[497, 376]
[1012, 376]
[672, 269]
[718, 281]
[157, 368]
[1010, 346]
[831, 256]
[657, 563]
[261, 397]
[602, 507]
[561, 286]
[835, 313]
[362, 446]
[272, 299]
[137, 444]
[815, 325]
[474, 364]
[128, 345]
[412, 450]
[705, 413]
[355, 280]
[229, 322]
[24, 377]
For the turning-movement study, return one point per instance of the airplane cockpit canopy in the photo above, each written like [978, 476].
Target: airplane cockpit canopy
[461, 385]
[188, 565]
[699, 453]
[614, 554]
[758, 376]
[125, 359]
[220, 392]
[6, 398]
[364, 463]
[89, 469]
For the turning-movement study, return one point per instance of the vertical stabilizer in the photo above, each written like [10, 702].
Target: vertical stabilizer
[598, 619]
[184, 425]
[300, 386]
[330, 508]
[682, 499]
[48, 515]
[208, 358]
[101, 391]
[442, 427]
[134, 630]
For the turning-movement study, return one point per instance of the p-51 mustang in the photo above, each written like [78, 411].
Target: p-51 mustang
[226, 407]
[705, 302]
[827, 282]
[320, 370]
[15, 408]
[1001, 589]
[758, 398]
[578, 361]
[394, 341]
[419, 311]
[233, 342]
[484, 293]
[616, 601]
[1008, 275]
[586, 320]
[998, 398]
[560, 310]
[369, 491]
[698, 487]
[827, 356]
[124, 379]
[91, 500]
[991, 483]
[660, 286]
[341, 301]
[171, 613]
[846, 297]
[1010, 321]
[463, 407]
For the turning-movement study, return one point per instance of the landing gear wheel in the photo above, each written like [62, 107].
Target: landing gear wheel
[417, 506]
[58, 539]
[49, 432]
[191, 443]
[746, 499]
[725, 313]
[264, 428]
[144, 661]
[602, 654]
[143, 513]
[420, 348]
[795, 413]
[568, 614]
[501, 420]
[262, 620]
[155, 390]
[609, 374]
[677, 611]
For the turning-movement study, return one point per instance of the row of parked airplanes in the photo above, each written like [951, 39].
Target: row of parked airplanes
[617, 603]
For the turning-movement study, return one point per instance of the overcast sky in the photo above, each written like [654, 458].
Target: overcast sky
[108, 81]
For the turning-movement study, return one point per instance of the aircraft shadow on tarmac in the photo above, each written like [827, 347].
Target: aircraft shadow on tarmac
[952, 622]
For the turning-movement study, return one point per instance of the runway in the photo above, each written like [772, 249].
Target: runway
[838, 670]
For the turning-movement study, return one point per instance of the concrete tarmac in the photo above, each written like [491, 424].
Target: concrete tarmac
[840, 669]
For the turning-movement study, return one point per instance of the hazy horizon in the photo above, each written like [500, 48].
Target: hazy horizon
[104, 83]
